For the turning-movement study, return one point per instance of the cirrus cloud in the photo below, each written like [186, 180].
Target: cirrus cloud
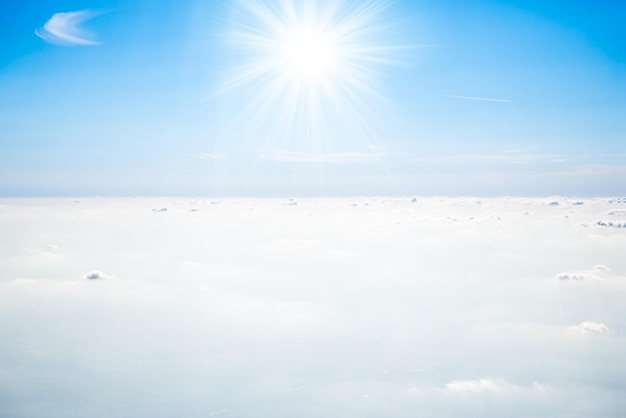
[64, 29]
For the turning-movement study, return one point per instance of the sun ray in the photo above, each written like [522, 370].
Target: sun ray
[312, 67]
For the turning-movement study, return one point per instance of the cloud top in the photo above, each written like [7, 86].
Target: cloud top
[588, 327]
[64, 29]
[96, 275]
[479, 386]
[597, 272]
[483, 386]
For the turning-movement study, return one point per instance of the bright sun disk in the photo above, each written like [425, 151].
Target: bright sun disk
[312, 68]
[309, 53]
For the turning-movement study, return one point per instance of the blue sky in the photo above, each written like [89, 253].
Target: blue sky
[139, 101]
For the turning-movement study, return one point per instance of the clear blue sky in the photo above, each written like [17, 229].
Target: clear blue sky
[481, 98]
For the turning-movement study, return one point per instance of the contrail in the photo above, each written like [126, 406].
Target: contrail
[487, 99]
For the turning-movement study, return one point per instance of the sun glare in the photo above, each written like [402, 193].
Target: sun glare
[310, 53]
[311, 66]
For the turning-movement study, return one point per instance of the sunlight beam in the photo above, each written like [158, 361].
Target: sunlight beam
[312, 68]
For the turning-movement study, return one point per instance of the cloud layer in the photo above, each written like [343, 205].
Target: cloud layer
[310, 307]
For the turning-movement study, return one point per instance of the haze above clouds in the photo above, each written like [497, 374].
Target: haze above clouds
[442, 307]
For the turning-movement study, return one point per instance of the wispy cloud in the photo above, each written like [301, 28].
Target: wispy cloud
[514, 156]
[483, 386]
[598, 272]
[592, 170]
[518, 150]
[210, 156]
[308, 157]
[486, 99]
[480, 386]
[64, 29]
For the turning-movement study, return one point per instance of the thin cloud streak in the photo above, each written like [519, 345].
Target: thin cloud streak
[591, 170]
[210, 156]
[507, 156]
[485, 99]
[64, 29]
[308, 157]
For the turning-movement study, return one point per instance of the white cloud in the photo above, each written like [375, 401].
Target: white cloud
[248, 297]
[518, 150]
[488, 386]
[480, 386]
[308, 157]
[96, 275]
[598, 272]
[48, 255]
[210, 156]
[64, 29]
[617, 212]
[588, 327]
[573, 276]
[294, 243]
[218, 412]
[590, 170]
[611, 224]
[509, 157]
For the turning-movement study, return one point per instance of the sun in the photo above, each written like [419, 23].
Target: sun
[311, 67]
[310, 53]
